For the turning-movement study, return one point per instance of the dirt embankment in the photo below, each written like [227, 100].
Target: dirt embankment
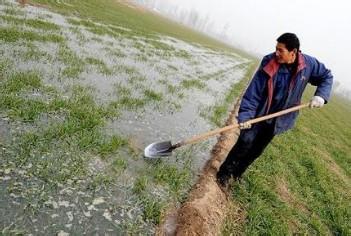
[206, 206]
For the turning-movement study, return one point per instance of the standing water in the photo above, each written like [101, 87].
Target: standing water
[80, 101]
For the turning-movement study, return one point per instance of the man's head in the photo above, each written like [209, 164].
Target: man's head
[288, 45]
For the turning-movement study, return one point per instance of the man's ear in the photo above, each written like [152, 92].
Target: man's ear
[295, 50]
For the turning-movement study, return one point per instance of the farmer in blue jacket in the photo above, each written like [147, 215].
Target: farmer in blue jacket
[278, 84]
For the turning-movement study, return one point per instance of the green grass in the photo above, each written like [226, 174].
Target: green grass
[140, 185]
[160, 45]
[103, 69]
[58, 137]
[102, 29]
[217, 113]
[77, 131]
[175, 178]
[172, 89]
[127, 69]
[34, 53]
[97, 39]
[126, 99]
[4, 65]
[17, 106]
[119, 165]
[80, 36]
[172, 67]
[85, 23]
[151, 95]
[152, 206]
[115, 52]
[128, 103]
[142, 23]
[141, 57]
[77, 134]
[74, 64]
[11, 10]
[111, 145]
[193, 83]
[183, 54]
[122, 91]
[301, 184]
[162, 174]
[100, 181]
[21, 81]
[152, 209]
[218, 74]
[10, 35]
[33, 23]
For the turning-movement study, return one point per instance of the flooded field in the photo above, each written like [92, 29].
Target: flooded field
[79, 102]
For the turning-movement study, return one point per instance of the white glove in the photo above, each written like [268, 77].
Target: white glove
[245, 125]
[316, 102]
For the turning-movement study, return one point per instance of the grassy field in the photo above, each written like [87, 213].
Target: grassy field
[83, 82]
[301, 184]
[130, 16]
[85, 86]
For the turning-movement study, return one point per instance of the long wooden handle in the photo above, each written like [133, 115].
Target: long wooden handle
[203, 136]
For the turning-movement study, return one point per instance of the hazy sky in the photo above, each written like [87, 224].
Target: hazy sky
[323, 26]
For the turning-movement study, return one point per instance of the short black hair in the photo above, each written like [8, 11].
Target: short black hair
[290, 40]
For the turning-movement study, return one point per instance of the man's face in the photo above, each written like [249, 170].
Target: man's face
[283, 55]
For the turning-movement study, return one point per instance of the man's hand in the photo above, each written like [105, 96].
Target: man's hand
[316, 102]
[245, 125]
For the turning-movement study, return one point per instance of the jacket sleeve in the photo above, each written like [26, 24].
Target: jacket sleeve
[254, 96]
[322, 78]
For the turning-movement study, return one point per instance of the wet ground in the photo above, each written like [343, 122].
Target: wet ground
[158, 85]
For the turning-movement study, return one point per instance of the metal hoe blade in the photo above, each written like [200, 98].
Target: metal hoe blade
[158, 149]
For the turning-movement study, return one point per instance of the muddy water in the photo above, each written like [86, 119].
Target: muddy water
[71, 207]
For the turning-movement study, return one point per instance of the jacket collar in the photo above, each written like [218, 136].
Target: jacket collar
[272, 66]
[301, 62]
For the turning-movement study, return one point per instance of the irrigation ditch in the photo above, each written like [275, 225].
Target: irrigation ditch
[206, 206]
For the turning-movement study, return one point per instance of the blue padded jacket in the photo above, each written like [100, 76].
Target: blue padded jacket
[264, 89]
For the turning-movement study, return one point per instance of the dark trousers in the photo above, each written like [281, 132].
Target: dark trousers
[251, 143]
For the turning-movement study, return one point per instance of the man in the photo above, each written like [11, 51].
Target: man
[278, 84]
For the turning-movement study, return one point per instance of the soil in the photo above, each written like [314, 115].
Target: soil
[207, 204]
[22, 2]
